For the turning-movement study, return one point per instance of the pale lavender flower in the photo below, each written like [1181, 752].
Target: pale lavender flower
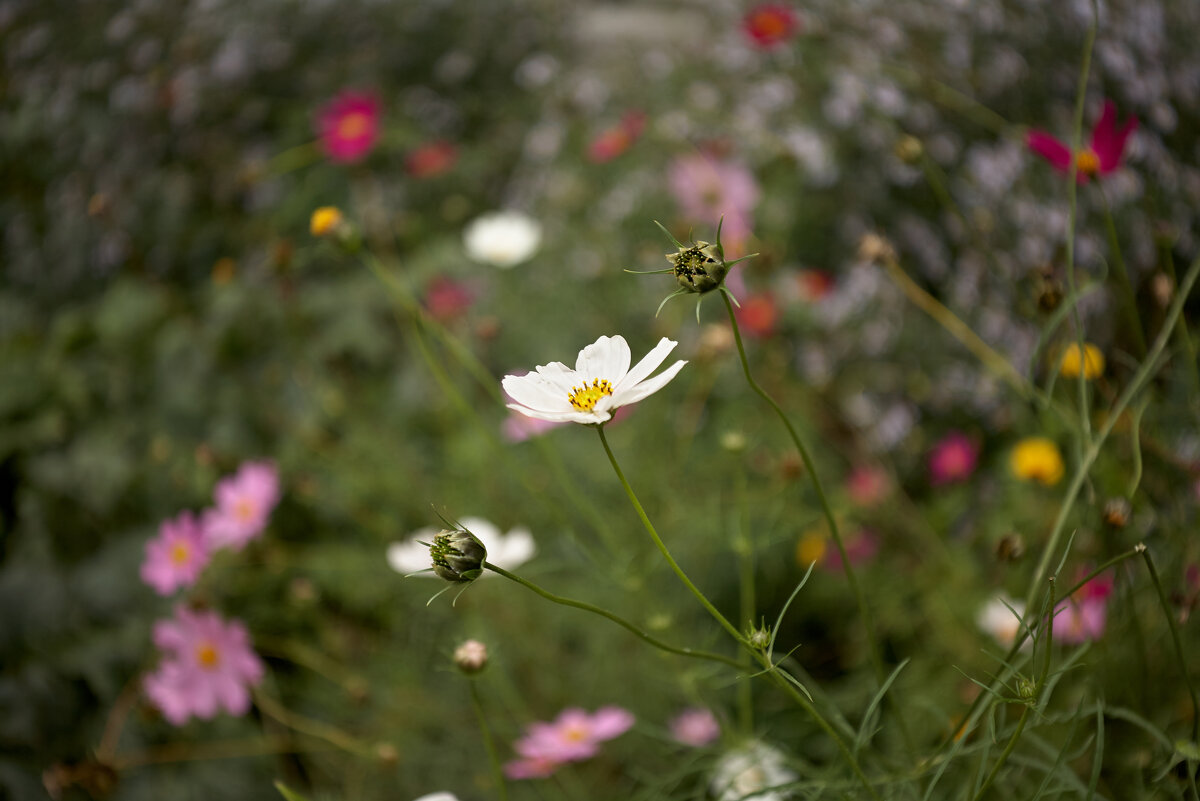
[209, 665]
[696, 727]
[708, 189]
[244, 504]
[175, 558]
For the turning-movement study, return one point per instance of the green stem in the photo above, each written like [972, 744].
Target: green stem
[1166, 607]
[1147, 369]
[662, 547]
[488, 743]
[1008, 749]
[625, 624]
[816, 482]
[1135, 320]
[744, 545]
[1072, 210]
[1189, 347]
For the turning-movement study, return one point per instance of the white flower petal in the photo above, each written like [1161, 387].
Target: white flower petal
[646, 388]
[537, 391]
[586, 418]
[514, 549]
[409, 556]
[646, 366]
[487, 533]
[607, 358]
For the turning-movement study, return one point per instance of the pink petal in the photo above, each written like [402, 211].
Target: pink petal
[610, 722]
[1049, 148]
[1108, 142]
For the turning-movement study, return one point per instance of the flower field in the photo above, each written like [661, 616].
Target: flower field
[557, 400]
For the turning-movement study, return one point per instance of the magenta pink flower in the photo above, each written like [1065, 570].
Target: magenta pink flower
[770, 24]
[176, 556]
[244, 504]
[867, 485]
[518, 428]
[349, 126]
[708, 189]
[695, 727]
[447, 299]
[574, 735]
[1083, 616]
[208, 665]
[1101, 157]
[952, 459]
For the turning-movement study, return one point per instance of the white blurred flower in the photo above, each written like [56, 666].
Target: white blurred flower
[438, 797]
[748, 771]
[601, 382]
[1001, 622]
[508, 551]
[502, 238]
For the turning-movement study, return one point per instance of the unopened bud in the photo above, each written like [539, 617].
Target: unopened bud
[471, 657]
[387, 754]
[759, 637]
[700, 267]
[1011, 547]
[909, 149]
[457, 555]
[1027, 689]
[874, 248]
[1116, 512]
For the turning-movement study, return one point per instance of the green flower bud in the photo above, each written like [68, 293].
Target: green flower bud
[700, 267]
[457, 555]
[1027, 689]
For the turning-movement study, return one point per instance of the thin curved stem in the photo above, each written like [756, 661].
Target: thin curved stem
[662, 547]
[1008, 749]
[826, 510]
[1187, 676]
[1131, 309]
[620, 621]
[488, 743]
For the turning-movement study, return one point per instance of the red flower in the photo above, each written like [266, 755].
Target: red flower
[447, 299]
[770, 24]
[349, 126]
[1101, 157]
[757, 315]
[614, 141]
[430, 159]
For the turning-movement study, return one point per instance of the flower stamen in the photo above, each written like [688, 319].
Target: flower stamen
[207, 655]
[584, 398]
[1087, 162]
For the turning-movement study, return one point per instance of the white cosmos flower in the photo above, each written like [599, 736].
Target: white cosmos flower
[749, 772]
[999, 621]
[438, 797]
[502, 238]
[601, 383]
[508, 551]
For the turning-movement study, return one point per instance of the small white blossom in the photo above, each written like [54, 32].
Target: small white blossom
[1001, 622]
[502, 238]
[508, 551]
[601, 382]
[750, 771]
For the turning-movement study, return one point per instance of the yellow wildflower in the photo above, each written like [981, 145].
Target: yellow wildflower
[1037, 459]
[811, 547]
[1092, 362]
[325, 221]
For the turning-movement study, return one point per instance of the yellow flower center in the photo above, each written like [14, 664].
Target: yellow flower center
[584, 398]
[243, 510]
[324, 220]
[180, 553]
[575, 734]
[353, 125]
[207, 655]
[1087, 162]
[769, 24]
[1037, 459]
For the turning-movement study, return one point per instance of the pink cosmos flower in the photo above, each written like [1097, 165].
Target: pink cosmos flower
[208, 665]
[615, 140]
[349, 126]
[1083, 616]
[867, 485]
[695, 727]
[770, 24]
[176, 556]
[708, 189]
[430, 159]
[952, 459]
[574, 735]
[244, 503]
[757, 315]
[518, 428]
[1101, 157]
[861, 547]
